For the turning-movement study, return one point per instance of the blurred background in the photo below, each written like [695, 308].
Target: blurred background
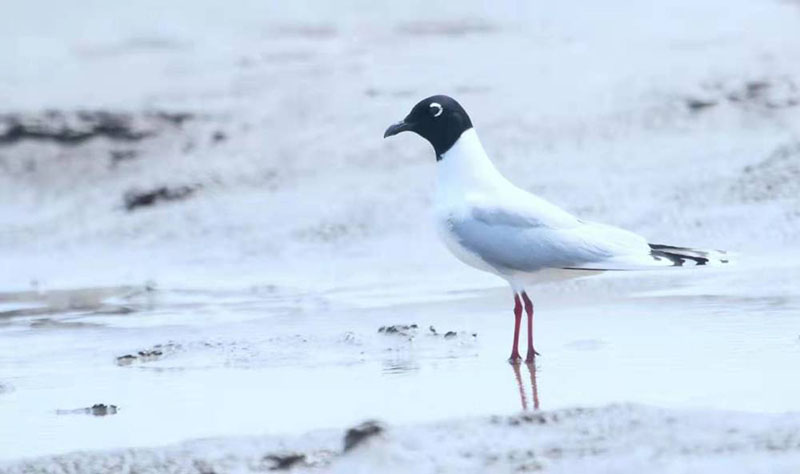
[204, 187]
[202, 141]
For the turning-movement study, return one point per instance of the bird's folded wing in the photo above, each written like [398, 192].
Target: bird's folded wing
[533, 237]
[522, 210]
[614, 249]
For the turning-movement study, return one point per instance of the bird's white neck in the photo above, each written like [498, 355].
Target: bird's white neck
[466, 166]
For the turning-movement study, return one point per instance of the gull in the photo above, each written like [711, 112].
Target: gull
[489, 223]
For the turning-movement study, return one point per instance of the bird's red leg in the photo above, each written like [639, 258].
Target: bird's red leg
[515, 358]
[529, 311]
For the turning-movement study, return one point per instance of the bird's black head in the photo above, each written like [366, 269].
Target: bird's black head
[438, 119]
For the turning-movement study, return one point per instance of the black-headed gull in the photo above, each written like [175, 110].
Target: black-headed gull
[489, 223]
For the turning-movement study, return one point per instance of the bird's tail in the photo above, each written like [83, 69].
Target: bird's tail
[680, 255]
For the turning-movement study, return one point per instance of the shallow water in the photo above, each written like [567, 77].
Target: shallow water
[273, 360]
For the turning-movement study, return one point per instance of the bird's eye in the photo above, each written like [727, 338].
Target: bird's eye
[436, 109]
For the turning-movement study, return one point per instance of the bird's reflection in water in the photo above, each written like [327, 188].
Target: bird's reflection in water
[534, 390]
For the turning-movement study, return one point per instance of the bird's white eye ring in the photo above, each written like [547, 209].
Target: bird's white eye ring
[439, 109]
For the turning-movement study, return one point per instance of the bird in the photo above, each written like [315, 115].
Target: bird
[491, 224]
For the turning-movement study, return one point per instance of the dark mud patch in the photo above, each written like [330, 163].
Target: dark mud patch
[204, 354]
[157, 352]
[76, 127]
[196, 459]
[177, 119]
[449, 334]
[763, 94]
[357, 435]
[284, 461]
[98, 409]
[399, 329]
[543, 418]
[134, 199]
[187, 355]
[118, 156]
[218, 136]
[697, 105]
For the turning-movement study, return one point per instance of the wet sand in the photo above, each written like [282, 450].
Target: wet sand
[273, 362]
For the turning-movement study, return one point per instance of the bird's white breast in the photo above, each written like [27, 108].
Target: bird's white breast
[464, 174]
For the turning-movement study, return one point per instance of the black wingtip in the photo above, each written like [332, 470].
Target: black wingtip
[680, 255]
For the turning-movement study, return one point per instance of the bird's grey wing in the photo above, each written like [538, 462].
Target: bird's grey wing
[503, 217]
[517, 241]
[510, 240]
